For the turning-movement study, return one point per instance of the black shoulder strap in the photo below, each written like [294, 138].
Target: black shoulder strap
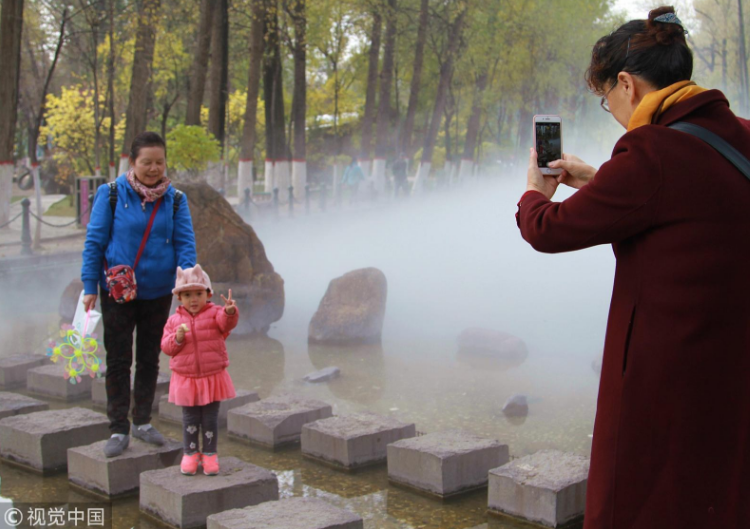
[113, 196]
[177, 199]
[724, 148]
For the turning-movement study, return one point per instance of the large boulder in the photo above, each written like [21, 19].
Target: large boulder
[352, 310]
[490, 349]
[69, 300]
[233, 256]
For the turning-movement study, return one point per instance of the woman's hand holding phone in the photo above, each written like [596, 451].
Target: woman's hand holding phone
[536, 181]
[576, 173]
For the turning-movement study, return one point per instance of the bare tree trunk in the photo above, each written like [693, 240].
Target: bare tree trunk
[273, 91]
[372, 85]
[299, 97]
[219, 71]
[744, 79]
[11, 26]
[446, 72]
[472, 127]
[416, 78]
[111, 88]
[145, 38]
[200, 64]
[386, 80]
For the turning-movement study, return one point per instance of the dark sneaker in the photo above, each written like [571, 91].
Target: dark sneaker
[148, 434]
[116, 445]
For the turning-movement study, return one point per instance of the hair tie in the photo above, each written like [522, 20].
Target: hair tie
[670, 18]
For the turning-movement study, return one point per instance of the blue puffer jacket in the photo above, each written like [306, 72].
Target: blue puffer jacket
[170, 243]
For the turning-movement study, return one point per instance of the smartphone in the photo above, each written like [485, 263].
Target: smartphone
[548, 142]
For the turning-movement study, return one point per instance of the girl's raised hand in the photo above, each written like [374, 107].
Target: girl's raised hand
[229, 305]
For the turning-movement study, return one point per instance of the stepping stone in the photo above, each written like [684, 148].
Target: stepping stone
[115, 477]
[276, 421]
[49, 381]
[173, 413]
[99, 391]
[445, 464]
[353, 441]
[15, 404]
[185, 501]
[324, 375]
[291, 513]
[40, 440]
[13, 369]
[548, 487]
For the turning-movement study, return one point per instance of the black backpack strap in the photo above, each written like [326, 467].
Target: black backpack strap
[177, 199]
[725, 149]
[113, 197]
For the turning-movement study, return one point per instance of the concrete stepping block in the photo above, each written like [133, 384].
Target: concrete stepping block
[39, 441]
[548, 487]
[276, 421]
[16, 404]
[173, 413]
[445, 464]
[49, 381]
[99, 391]
[13, 369]
[186, 501]
[291, 513]
[115, 477]
[353, 441]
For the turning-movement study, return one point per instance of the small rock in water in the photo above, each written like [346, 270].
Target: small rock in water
[516, 406]
[324, 375]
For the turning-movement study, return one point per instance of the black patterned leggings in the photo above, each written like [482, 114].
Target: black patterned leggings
[197, 420]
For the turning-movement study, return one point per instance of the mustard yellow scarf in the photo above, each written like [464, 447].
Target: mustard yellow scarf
[654, 103]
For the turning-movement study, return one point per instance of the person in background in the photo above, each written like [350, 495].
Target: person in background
[671, 445]
[118, 227]
[353, 175]
[399, 170]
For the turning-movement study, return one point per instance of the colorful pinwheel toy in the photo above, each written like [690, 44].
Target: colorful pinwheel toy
[78, 351]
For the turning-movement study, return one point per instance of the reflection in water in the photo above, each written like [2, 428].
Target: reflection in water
[484, 360]
[365, 481]
[362, 378]
[256, 363]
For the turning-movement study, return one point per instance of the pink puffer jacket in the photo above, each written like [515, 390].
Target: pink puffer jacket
[203, 351]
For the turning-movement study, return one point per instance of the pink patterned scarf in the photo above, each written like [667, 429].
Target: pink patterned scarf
[148, 194]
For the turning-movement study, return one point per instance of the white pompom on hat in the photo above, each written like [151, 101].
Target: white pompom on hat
[192, 279]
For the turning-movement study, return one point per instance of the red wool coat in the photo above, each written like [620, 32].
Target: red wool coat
[203, 351]
[672, 433]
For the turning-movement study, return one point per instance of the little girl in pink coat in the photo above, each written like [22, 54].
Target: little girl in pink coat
[194, 338]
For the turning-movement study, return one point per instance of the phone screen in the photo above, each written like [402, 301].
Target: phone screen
[547, 143]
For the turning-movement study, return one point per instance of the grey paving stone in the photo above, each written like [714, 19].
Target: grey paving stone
[291, 513]
[90, 469]
[277, 420]
[353, 441]
[173, 413]
[49, 381]
[186, 501]
[445, 463]
[40, 440]
[17, 404]
[13, 369]
[548, 487]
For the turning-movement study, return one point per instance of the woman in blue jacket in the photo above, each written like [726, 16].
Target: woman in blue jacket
[117, 226]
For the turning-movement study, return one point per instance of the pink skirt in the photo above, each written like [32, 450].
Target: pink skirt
[189, 391]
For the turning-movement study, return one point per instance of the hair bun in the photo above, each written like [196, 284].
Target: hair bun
[664, 32]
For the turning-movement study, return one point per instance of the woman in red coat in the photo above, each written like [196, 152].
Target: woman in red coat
[672, 431]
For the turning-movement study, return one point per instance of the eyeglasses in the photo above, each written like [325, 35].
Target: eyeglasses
[604, 103]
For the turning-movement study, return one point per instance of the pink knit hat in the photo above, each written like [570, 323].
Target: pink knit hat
[192, 279]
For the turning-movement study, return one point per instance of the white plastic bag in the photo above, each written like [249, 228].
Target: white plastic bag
[79, 320]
